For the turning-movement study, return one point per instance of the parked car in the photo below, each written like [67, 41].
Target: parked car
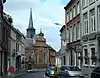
[96, 73]
[50, 71]
[32, 70]
[70, 72]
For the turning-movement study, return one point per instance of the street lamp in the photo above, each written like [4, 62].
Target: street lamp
[58, 24]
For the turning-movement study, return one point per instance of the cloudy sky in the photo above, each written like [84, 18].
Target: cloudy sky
[45, 14]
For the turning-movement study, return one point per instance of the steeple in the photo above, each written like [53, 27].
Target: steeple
[30, 29]
[30, 19]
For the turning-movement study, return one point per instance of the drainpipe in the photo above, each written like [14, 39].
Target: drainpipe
[1, 11]
[1, 64]
[49, 55]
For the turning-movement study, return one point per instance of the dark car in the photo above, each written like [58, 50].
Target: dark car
[70, 71]
[96, 73]
[50, 71]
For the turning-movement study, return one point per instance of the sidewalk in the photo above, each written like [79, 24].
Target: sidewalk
[18, 74]
[15, 75]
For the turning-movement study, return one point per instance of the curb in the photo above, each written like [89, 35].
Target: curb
[14, 76]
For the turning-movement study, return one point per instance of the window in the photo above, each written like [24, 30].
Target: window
[74, 11]
[97, 69]
[43, 59]
[78, 8]
[84, 3]
[71, 34]
[74, 69]
[92, 20]
[67, 17]
[85, 23]
[4, 34]
[70, 14]
[93, 57]
[36, 58]
[85, 56]
[98, 17]
[91, 1]
[74, 32]
[67, 35]
[78, 30]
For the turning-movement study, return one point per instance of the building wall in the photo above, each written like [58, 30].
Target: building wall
[64, 41]
[58, 61]
[43, 54]
[12, 56]
[90, 41]
[52, 56]
[73, 32]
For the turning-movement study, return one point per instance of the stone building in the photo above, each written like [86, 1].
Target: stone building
[16, 50]
[90, 17]
[63, 51]
[5, 33]
[58, 58]
[30, 40]
[38, 53]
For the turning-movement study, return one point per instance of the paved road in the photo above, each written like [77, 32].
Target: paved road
[33, 75]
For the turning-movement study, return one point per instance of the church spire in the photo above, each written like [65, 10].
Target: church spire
[30, 29]
[30, 19]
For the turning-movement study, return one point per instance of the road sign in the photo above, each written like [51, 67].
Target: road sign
[11, 69]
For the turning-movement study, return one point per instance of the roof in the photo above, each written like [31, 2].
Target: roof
[7, 19]
[69, 4]
[57, 54]
[63, 27]
[18, 32]
[50, 47]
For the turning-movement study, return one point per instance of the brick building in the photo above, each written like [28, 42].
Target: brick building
[73, 26]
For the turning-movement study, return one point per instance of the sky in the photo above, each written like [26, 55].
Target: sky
[45, 14]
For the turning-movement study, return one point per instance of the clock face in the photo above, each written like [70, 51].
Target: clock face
[64, 43]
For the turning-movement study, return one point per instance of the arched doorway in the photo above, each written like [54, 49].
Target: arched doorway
[29, 66]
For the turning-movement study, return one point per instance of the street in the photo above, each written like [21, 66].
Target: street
[32, 75]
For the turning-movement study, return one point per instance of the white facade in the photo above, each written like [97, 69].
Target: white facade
[17, 48]
[23, 52]
[90, 25]
[64, 40]
[12, 49]
[58, 61]
[90, 18]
